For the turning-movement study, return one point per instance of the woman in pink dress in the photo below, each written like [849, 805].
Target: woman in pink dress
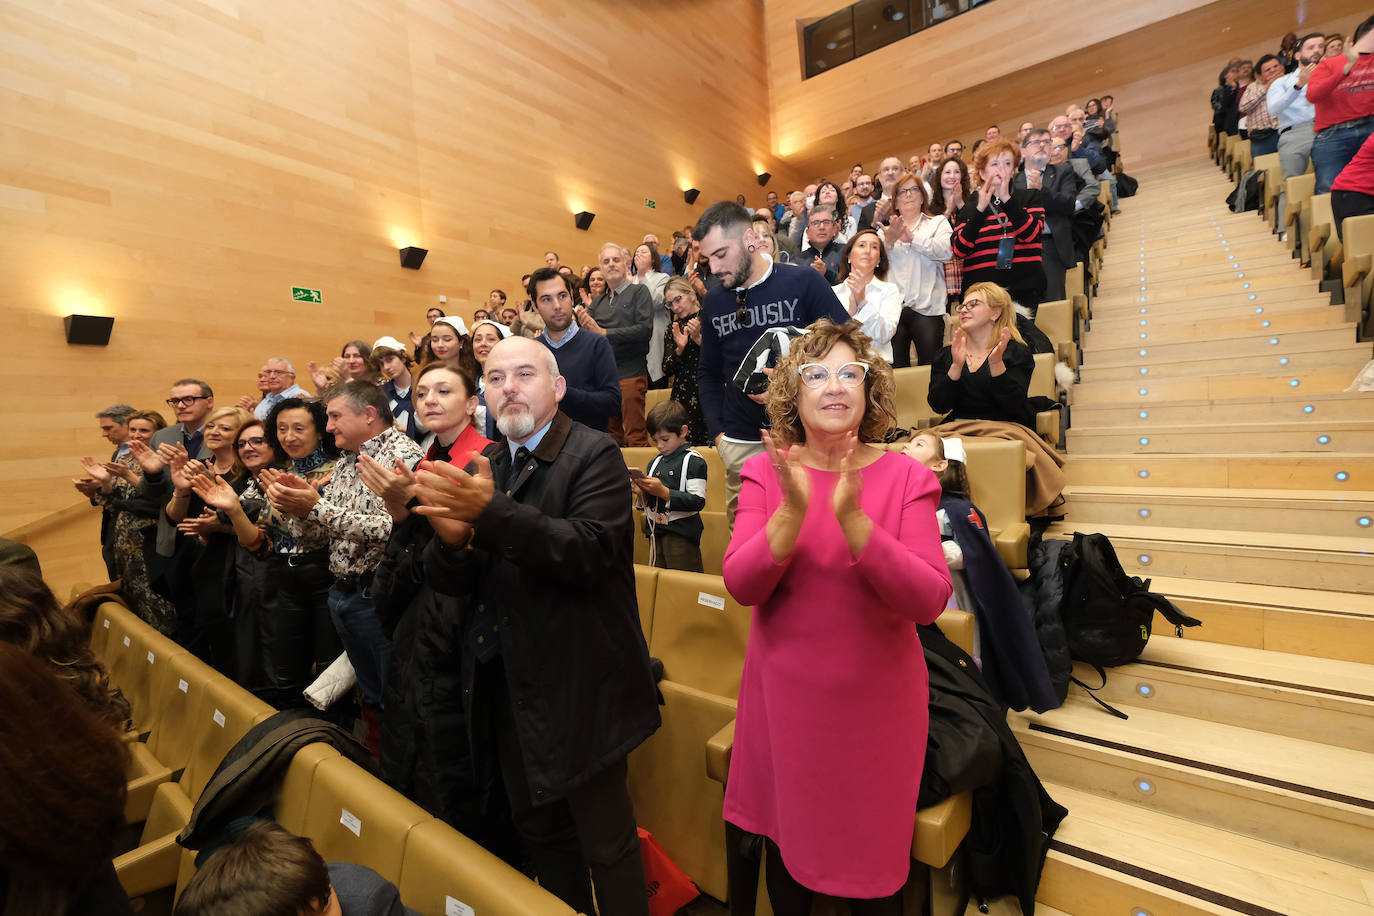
[837, 548]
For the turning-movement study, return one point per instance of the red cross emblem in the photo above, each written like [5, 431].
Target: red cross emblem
[973, 518]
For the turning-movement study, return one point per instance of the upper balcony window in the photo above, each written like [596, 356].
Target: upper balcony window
[869, 25]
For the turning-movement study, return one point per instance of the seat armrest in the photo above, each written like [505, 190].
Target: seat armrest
[718, 748]
[941, 828]
[149, 867]
[1012, 545]
[145, 774]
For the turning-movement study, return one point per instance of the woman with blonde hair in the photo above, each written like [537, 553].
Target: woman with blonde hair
[981, 382]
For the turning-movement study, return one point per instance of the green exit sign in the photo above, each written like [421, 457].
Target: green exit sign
[649, 203]
[301, 294]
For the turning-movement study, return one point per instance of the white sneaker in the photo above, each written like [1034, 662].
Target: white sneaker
[1283, 236]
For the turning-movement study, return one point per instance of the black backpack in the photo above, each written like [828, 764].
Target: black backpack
[1107, 614]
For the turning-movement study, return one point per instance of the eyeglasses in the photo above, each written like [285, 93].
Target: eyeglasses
[1038, 141]
[742, 300]
[967, 306]
[822, 222]
[255, 442]
[679, 298]
[275, 372]
[851, 375]
[907, 192]
[186, 402]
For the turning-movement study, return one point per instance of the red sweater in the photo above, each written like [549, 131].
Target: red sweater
[1340, 98]
[977, 234]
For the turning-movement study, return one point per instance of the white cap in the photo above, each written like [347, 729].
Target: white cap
[454, 322]
[390, 343]
[954, 450]
[500, 328]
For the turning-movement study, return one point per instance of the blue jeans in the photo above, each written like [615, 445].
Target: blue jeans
[1264, 147]
[1335, 146]
[355, 618]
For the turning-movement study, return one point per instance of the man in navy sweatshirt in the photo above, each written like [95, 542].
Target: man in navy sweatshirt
[755, 294]
[585, 359]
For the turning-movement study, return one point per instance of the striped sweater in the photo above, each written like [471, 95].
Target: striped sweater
[977, 234]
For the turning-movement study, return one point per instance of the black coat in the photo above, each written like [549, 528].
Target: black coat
[1059, 187]
[552, 565]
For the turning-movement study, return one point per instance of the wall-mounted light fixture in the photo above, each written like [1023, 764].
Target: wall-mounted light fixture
[764, 178]
[690, 195]
[583, 219]
[413, 257]
[91, 330]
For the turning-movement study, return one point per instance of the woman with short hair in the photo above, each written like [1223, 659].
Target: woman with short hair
[997, 233]
[918, 245]
[682, 354]
[830, 735]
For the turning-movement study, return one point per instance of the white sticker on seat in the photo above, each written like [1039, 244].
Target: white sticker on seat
[126, 640]
[219, 718]
[107, 623]
[456, 907]
[183, 686]
[714, 601]
[351, 821]
[150, 656]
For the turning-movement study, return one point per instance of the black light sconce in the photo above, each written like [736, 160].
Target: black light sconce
[91, 330]
[764, 177]
[413, 257]
[583, 219]
[690, 195]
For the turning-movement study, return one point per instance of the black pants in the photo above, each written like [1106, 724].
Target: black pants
[1054, 271]
[1030, 298]
[295, 596]
[790, 898]
[593, 825]
[1349, 203]
[926, 331]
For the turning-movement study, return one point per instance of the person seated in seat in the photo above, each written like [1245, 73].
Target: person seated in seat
[981, 381]
[266, 870]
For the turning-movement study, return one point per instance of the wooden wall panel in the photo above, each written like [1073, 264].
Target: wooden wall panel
[181, 164]
[1008, 62]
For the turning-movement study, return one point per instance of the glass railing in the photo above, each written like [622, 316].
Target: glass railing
[869, 25]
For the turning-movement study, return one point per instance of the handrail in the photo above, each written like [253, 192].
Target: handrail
[66, 514]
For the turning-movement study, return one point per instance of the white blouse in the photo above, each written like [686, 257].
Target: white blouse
[918, 266]
[878, 313]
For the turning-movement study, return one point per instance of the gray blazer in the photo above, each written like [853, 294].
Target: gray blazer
[166, 531]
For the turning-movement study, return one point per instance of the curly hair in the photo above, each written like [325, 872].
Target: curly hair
[880, 390]
[32, 619]
[937, 193]
[990, 151]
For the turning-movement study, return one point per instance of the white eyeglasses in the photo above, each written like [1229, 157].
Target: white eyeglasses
[851, 375]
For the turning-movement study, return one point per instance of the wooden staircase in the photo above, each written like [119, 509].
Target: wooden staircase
[1213, 441]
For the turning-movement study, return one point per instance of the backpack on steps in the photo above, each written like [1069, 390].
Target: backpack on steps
[1107, 614]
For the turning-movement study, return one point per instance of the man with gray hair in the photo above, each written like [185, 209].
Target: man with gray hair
[823, 252]
[281, 380]
[114, 426]
[624, 315]
[1059, 187]
[358, 525]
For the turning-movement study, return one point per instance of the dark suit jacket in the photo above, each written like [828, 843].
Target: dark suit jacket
[166, 531]
[1059, 187]
[552, 565]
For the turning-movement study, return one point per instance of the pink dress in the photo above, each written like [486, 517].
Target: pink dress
[830, 734]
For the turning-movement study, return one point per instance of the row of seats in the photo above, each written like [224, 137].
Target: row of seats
[677, 777]
[997, 476]
[1343, 262]
[188, 716]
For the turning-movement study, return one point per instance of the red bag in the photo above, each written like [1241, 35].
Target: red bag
[668, 886]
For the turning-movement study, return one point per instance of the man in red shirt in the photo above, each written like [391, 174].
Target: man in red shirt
[1342, 91]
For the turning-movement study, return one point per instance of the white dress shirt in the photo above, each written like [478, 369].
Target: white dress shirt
[878, 313]
[918, 266]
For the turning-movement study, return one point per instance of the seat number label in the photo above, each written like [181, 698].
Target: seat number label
[456, 908]
[714, 601]
[351, 821]
[219, 718]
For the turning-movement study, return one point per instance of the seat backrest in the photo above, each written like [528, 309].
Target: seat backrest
[1056, 320]
[108, 616]
[1359, 244]
[226, 713]
[715, 537]
[646, 584]
[700, 632]
[179, 697]
[352, 816]
[1321, 215]
[997, 477]
[1073, 280]
[141, 671]
[293, 797]
[1042, 377]
[443, 871]
[1299, 188]
[913, 386]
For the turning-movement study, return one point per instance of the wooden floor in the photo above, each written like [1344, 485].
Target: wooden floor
[1213, 441]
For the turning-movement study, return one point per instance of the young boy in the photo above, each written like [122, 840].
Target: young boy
[673, 492]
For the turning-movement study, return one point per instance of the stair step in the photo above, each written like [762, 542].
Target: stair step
[1243, 470]
[1112, 857]
[1291, 406]
[1207, 295]
[1205, 270]
[1259, 342]
[1352, 356]
[1209, 311]
[1329, 702]
[1170, 332]
[1259, 558]
[1293, 511]
[1300, 794]
[1305, 435]
[1147, 390]
[1300, 621]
